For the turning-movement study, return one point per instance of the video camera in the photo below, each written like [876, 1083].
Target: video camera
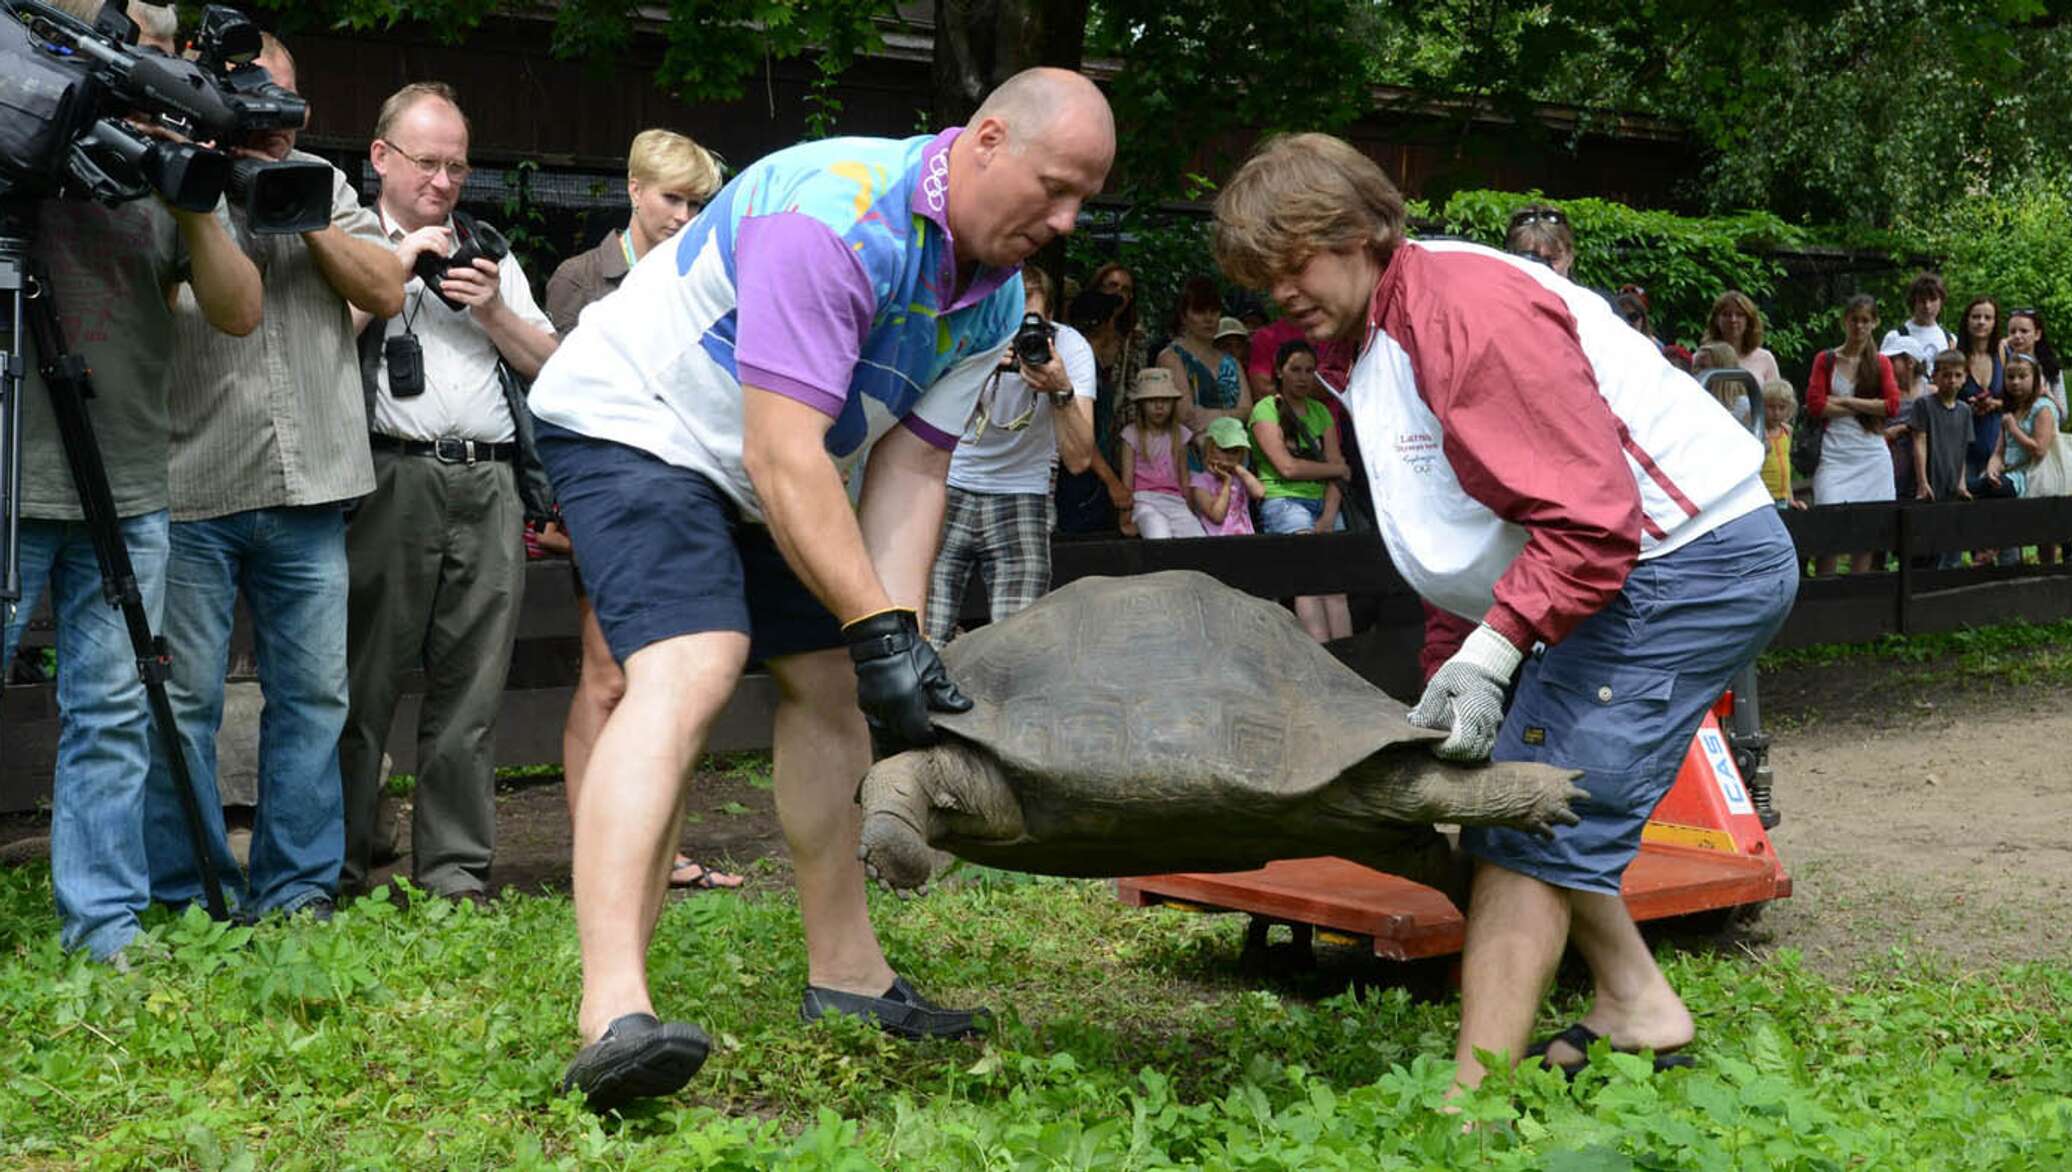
[71, 94]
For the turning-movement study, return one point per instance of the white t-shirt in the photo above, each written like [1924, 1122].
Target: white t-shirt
[462, 397]
[999, 460]
[1931, 336]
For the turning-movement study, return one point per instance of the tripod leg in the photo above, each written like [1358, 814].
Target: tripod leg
[70, 385]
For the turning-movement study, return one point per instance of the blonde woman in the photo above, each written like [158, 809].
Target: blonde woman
[1736, 321]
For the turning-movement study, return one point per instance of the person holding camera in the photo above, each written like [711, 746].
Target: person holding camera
[113, 271]
[436, 552]
[1035, 413]
[839, 303]
[259, 483]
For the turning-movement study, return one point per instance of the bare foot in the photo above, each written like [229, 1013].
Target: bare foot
[1654, 1021]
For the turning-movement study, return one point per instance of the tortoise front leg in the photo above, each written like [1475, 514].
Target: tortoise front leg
[897, 810]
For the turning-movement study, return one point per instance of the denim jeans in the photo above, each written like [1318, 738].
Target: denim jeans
[97, 852]
[290, 564]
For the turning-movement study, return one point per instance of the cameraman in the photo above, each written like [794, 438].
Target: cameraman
[999, 516]
[259, 480]
[113, 271]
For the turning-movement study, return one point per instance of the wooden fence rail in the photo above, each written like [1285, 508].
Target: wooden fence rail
[1846, 609]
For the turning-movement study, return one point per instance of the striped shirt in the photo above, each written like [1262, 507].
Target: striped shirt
[276, 418]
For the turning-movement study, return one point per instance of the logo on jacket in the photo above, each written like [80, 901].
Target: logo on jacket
[1417, 450]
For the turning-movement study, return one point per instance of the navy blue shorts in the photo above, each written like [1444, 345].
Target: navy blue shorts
[665, 553]
[1622, 696]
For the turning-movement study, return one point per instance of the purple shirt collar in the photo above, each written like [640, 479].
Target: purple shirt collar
[932, 200]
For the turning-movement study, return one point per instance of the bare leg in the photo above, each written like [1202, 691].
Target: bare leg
[598, 690]
[1824, 565]
[1517, 929]
[1338, 616]
[1633, 1003]
[632, 811]
[1860, 563]
[822, 749]
[1309, 611]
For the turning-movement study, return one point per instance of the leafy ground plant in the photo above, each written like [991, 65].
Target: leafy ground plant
[432, 1036]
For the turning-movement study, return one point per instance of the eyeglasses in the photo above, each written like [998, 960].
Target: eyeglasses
[983, 411]
[1525, 216]
[456, 170]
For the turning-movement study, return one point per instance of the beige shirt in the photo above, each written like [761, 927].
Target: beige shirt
[462, 398]
[276, 418]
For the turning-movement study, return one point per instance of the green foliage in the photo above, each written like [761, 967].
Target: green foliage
[2016, 248]
[1841, 111]
[712, 48]
[1197, 73]
[433, 1037]
[2019, 654]
[1683, 262]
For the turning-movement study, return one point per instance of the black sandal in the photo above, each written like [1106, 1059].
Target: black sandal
[638, 1057]
[901, 1012]
[1581, 1036]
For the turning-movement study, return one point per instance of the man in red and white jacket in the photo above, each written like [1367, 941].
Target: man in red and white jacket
[1538, 467]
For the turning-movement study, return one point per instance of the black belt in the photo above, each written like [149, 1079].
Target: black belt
[446, 451]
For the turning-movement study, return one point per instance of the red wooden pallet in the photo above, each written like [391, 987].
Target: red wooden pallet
[1704, 850]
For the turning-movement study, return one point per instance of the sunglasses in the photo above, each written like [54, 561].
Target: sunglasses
[1537, 216]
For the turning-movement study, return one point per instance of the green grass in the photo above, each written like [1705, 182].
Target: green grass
[432, 1038]
[2017, 653]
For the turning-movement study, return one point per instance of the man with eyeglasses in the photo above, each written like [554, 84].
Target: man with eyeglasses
[1030, 419]
[436, 553]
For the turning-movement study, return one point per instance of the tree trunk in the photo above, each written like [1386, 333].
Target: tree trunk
[981, 43]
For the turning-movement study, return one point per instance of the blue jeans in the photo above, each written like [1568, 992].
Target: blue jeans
[1296, 514]
[1622, 695]
[97, 852]
[290, 564]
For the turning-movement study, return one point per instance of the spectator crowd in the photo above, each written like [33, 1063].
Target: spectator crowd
[231, 366]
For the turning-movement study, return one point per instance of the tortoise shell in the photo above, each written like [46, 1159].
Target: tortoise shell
[1166, 682]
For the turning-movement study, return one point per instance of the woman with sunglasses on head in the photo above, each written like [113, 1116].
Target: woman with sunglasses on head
[1542, 233]
[1736, 321]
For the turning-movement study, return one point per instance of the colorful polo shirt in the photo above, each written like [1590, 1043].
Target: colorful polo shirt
[825, 273]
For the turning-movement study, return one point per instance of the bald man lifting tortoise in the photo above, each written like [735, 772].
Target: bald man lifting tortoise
[838, 303]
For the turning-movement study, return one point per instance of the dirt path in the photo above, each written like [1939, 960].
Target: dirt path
[1943, 829]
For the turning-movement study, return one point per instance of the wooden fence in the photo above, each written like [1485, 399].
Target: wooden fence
[1846, 609]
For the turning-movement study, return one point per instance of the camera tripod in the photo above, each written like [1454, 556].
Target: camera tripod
[25, 291]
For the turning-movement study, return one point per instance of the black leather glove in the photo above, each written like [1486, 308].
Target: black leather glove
[899, 679]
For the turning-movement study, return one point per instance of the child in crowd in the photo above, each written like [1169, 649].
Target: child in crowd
[1154, 455]
[2032, 420]
[1222, 495]
[2025, 336]
[1909, 358]
[1942, 429]
[1780, 404]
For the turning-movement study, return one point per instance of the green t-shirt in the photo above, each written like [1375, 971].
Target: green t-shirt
[1316, 420]
[109, 270]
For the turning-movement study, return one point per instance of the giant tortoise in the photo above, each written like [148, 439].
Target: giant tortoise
[1165, 722]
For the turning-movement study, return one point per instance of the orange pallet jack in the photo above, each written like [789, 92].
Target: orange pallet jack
[1703, 851]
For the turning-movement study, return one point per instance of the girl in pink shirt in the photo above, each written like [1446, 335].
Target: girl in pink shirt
[1154, 458]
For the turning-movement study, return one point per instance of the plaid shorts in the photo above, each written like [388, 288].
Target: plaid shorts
[1006, 536]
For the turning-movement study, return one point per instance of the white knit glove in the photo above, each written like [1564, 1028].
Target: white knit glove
[1466, 695]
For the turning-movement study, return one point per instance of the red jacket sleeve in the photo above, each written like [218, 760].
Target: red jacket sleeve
[1529, 435]
[1820, 383]
[1889, 385]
